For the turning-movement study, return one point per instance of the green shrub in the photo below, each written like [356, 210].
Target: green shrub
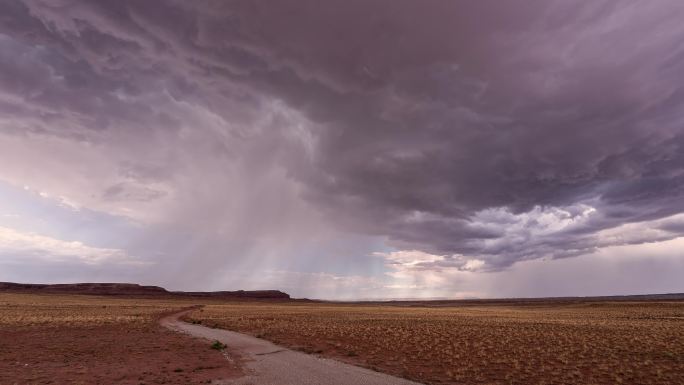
[217, 345]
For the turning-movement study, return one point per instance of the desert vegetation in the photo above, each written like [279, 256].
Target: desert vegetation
[547, 343]
[26, 310]
[89, 339]
[78, 339]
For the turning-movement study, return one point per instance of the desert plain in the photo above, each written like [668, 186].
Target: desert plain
[78, 339]
[85, 339]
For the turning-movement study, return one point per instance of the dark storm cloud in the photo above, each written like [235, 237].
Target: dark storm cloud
[497, 131]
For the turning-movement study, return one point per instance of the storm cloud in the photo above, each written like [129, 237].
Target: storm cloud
[479, 133]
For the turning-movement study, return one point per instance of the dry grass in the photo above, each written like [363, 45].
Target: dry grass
[589, 343]
[20, 310]
[76, 339]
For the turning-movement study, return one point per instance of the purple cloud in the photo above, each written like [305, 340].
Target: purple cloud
[488, 131]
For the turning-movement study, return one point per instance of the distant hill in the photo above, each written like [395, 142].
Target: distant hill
[84, 288]
[266, 294]
[134, 289]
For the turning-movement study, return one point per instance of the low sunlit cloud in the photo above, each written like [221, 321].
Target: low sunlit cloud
[19, 247]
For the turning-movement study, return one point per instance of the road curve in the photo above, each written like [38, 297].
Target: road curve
[270, 364]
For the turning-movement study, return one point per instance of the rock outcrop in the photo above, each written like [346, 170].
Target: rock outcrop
[135, 289]
[263, 294]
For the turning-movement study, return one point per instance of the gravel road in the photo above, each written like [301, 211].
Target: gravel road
[269, 364]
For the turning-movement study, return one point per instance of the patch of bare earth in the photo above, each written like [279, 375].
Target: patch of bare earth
[87, 340]
[589, 343]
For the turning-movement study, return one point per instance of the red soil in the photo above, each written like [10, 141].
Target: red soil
[109, 354]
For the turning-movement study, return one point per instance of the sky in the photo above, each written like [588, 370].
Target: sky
[345, 149]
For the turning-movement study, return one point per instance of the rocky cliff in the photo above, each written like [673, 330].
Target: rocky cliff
[134, 289]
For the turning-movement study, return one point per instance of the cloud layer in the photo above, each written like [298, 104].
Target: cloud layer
[251, 133]
[53, 250]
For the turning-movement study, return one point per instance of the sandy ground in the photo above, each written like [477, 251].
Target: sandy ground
[547, 343]
[109, 354]
[269, 364]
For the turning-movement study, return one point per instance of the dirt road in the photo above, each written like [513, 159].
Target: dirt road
[269, 364]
